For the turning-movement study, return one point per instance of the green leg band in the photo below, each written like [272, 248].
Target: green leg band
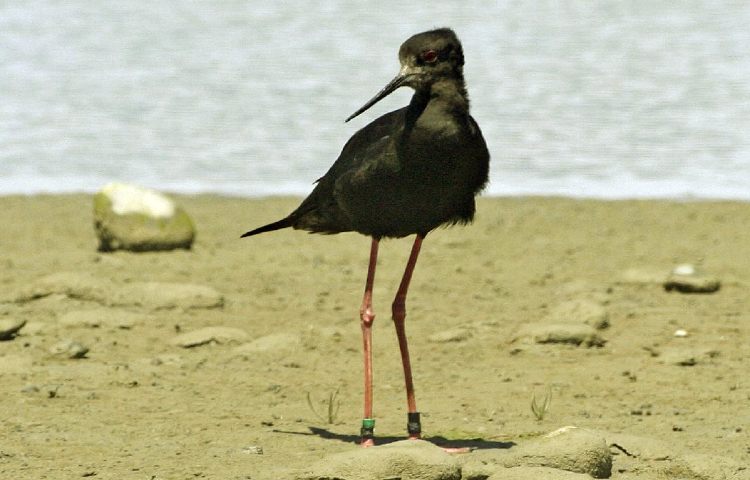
[368, 428]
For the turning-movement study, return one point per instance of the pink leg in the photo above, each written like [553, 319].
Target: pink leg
[399, 317]
[367, 317]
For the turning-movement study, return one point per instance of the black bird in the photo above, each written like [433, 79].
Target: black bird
[407, 172]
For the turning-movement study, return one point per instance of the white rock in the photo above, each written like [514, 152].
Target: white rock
[127, 199]
[128, 217]
[684, 269]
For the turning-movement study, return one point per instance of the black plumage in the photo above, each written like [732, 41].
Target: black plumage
[407, 172]
[411, 170]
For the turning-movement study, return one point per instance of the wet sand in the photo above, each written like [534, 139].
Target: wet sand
[140, 406]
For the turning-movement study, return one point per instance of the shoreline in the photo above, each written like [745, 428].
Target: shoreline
[139, 400]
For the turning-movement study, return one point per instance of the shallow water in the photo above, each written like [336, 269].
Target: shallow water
[607, 99]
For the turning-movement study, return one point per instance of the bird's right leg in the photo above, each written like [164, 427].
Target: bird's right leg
[367, 317]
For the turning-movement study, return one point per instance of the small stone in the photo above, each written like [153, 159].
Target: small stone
[687, 279]
[579, 335]
[454, 335]
[69, 349]
[128, 217]
[680, 333]
[208, 335]
[9, 328]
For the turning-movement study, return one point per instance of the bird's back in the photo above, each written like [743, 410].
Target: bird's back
[394, 178]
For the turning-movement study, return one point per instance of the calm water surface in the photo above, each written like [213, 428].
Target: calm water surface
[605, 99]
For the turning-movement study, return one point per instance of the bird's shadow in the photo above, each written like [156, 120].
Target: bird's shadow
[472, 443]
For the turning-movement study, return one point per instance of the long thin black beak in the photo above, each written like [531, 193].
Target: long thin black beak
[387, 90]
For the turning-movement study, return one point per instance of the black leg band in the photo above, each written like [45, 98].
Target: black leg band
[414, 426]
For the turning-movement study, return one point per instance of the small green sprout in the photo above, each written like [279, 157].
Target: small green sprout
[333, 405]
[540, 410]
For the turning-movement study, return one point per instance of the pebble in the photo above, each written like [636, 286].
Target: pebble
[208, 335]
[69, 349]
[688, 279]
[9, 327]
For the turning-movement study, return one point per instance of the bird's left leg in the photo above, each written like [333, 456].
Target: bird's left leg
[414, 426]
[367, 317]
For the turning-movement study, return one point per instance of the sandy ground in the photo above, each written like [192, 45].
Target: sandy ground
[138, 406]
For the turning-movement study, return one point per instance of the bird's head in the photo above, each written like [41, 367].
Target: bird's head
[425, 58]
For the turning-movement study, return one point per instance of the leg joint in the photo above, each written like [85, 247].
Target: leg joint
[398, 309]
[367, 317]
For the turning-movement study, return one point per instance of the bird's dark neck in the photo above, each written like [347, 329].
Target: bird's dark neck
[450, 94]
[445, 96]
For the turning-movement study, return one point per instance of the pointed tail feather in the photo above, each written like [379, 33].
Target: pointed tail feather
[283, 223]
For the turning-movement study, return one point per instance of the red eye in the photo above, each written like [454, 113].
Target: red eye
[429, 56]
